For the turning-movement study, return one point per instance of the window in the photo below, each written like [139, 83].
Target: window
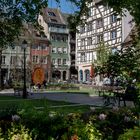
[64, 38]
[114, 50]
[89, 26]
[39, 20]
[82, 29]
[82, 42]
[113, 34]
[53, 50]
[89, 41]
[82, 57]
[99, 23]
[90, 12]
[53, 61]
[51, 14]
[3, 59]
[44, 59]
[59, 61]
[53, 20]
[35, 59]
[58, 38]
[59, 50]
[42, 46]
[113, 18]
[35, 46]
[13, 60]
[65, 50]
[64, 61]
[99, 38]
[52, 37]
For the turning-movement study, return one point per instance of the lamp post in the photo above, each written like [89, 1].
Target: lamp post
[24, 46]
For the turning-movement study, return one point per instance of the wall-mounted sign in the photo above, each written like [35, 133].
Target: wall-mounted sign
[38, 75]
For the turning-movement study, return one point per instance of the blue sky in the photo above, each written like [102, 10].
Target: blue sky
[64, 6]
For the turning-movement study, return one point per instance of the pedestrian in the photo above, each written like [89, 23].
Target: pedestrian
[44, 83]
[38, 85]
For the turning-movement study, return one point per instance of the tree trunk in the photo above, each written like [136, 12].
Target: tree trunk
[0, 69]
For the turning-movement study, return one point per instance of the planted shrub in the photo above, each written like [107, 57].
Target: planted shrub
[131, 134]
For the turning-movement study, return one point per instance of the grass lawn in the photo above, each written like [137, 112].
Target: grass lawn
[11, 102]
[71, 109]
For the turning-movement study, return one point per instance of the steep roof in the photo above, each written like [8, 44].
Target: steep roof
[65, 16]
[129, 38]
[53, 16]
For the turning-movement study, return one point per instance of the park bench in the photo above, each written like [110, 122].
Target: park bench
[130, 94]
[18, 91]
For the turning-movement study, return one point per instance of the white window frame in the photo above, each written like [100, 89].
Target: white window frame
[53, 50]
[59, 50]
[113, 34]
[64, 61]
[60, 61]
[113, 18]
[64, 50]
[3, 59]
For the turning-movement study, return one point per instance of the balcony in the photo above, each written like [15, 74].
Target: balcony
[58, 30]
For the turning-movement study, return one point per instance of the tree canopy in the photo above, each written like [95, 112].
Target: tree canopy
[13, 14]
[133, 6]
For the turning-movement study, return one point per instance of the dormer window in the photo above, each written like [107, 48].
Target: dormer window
[53, 20]
[51, 14]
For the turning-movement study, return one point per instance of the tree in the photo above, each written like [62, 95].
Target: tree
[124, 63]
[12, 16]
[102, 54]
[122, 5]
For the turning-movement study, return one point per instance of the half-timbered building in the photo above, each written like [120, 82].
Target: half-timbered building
[102, 26]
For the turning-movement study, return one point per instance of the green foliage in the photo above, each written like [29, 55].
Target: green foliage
[15, 132]
[37, 123]
[1, 137]
[62, 86]
[103, 54]
[115, 122]
[76, 128]
[123, 66]
[19, 132]
[130, 5]
[14, 14]
[133, 134]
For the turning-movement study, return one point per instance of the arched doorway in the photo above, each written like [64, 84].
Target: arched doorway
[56, 74]
[87, 75]
[81, 75]
[64, 75]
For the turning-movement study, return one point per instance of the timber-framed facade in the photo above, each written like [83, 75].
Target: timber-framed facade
[102, 26]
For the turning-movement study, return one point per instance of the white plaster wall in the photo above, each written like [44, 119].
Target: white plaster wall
[44, 25]
[126, 25]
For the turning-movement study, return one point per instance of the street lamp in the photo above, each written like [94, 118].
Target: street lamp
[24, 46]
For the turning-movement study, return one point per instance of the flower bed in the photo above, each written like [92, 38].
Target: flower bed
[100, 124]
